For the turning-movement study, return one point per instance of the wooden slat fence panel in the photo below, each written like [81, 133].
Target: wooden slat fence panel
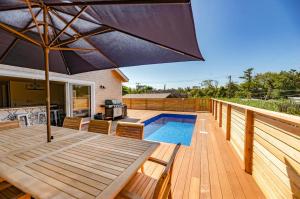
[154, 104]
[276, 160]
[139, 104]
[189, 105]
[173, 105]
[238, 130]
[127, 102]
[273, 147]
[170, 104]
[224, 117]
[218, 112]
[203, 104]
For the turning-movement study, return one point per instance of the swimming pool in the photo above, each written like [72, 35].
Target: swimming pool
[170, 128]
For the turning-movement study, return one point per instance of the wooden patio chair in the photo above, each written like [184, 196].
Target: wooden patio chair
[162, 187]
[130, 130]
[9, 125]
[99, 126]
[7, 191]
[72, 123]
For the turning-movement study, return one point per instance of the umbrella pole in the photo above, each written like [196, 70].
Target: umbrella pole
[46, 49]
[46, 57]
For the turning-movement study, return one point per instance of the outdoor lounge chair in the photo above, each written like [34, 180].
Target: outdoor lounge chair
[130, 130]
[72, 123]
[9, 125]
[7, 191]
[99, 126]
[162, 187]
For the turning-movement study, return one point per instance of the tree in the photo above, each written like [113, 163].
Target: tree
[231, 88]
[210, 87]
[268, 85]
[222, 91]
[125, 90]
[248, 84]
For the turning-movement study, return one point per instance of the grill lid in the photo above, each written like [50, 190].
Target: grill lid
[113, 102]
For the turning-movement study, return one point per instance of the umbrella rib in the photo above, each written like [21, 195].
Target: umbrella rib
[19, 34]
[35, 21]
[3, 56]
[92, 33]
[61, 53]
[68, 25]
[113, 2]
[50, 25]
[85, 39]
[73, 49]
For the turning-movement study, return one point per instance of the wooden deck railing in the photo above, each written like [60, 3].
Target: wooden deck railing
[267, 142]
[170, 104]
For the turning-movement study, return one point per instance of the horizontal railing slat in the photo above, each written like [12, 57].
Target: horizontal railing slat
[269, 144]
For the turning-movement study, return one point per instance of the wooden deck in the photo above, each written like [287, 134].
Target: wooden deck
[208, 168]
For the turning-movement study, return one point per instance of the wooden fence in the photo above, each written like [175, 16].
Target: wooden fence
[170, 104]
[267, 142]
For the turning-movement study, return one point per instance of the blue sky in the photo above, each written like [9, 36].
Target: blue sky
[233, 35]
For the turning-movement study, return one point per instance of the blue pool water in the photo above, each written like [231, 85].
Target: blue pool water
[170, 128]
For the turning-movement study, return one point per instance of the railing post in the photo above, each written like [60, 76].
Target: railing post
[249, 136]
[213, 107]
[216, 110]
[210, 105]
[220, 115]
[228, 122]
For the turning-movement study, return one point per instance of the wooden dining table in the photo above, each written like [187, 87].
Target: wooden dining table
[76, 164]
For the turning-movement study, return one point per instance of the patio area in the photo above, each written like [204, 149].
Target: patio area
[208, 168]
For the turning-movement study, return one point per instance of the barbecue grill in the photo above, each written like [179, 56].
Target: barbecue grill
[115, 108]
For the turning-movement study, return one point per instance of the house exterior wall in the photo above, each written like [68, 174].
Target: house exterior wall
[106, 78]
[112, 90]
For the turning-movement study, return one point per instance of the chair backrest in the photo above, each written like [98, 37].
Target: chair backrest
[72, 123]
[163, 186]
[130, 130]
[99, 126]
[9, 125]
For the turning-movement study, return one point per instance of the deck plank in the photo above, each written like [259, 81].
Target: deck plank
[208, 168]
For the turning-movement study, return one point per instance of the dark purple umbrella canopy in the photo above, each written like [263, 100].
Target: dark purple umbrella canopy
[75, 36]
[113, 33]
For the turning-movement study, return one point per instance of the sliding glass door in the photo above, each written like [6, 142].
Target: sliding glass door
[80, 100]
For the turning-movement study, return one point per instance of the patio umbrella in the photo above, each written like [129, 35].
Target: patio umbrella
[75, 36]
